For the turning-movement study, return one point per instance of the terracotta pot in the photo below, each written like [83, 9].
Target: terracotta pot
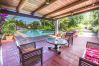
[9, 37]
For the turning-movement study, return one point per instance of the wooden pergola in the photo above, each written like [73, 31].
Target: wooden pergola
[48, 9]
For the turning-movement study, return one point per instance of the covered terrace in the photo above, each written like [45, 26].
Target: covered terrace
[49, 10]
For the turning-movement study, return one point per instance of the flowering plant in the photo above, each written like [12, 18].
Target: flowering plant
[3, 13]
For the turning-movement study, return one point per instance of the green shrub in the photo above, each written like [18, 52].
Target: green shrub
[95, 29]
[9, 28]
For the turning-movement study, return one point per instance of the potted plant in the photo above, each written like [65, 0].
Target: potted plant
[9, 28]
[3, 15]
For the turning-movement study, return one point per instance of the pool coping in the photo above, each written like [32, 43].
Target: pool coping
[23, 35]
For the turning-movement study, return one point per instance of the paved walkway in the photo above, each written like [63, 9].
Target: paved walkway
[87, 33]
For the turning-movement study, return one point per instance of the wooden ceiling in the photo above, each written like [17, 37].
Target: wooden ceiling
[54, 10]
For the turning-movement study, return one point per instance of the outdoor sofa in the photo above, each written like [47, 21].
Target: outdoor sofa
[91, 55]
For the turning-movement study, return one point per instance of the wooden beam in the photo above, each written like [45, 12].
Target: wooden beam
[65, 7]
[25, 15]
[70, 11]
[20, 5]
[17, 8]
[88, 8]
[38, 8]
[42, 6]
[8, 7]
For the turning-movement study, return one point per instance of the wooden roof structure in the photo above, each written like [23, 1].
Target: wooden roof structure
[56, 9]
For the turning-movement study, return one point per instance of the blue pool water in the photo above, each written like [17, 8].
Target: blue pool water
[36, 33]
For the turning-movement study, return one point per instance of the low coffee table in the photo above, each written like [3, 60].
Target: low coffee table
[56, 42]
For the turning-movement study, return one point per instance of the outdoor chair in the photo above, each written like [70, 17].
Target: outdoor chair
[90, 59]
[58, 35]
[69, 37]
[30, 55]
[75, 33]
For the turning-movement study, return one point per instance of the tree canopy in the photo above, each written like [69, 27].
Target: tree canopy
[76, 22]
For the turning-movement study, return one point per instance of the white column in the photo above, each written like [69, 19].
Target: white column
[56, 26]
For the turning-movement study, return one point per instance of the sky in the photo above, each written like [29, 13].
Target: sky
[25, 19]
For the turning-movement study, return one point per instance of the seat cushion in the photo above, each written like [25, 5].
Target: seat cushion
[92, 54]
[25, 50]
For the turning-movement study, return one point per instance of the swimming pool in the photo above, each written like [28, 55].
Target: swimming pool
[35, 33]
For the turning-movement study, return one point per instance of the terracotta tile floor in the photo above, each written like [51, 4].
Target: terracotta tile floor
[69, 56]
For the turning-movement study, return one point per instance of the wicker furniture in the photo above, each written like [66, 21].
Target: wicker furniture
[85, 62]
[29, 55]
[69, 37]
[58, 35]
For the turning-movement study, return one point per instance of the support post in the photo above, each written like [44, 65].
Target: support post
[56, 26]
